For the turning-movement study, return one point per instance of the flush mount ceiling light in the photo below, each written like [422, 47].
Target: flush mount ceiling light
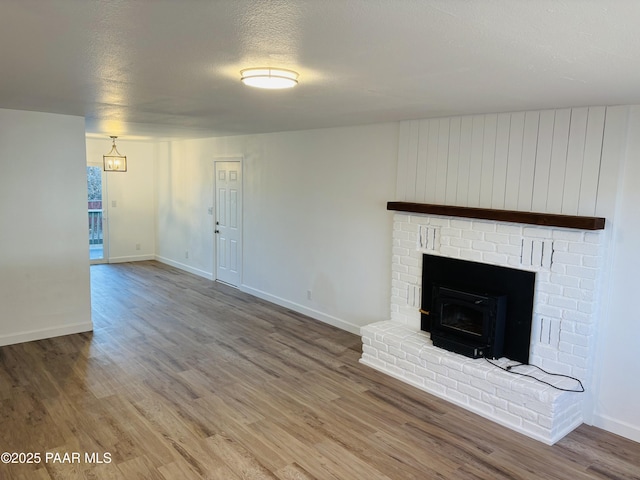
[113, 161]
[272, 78]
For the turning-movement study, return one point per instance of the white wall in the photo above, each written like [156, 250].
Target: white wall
[314, 217]
[185, 194]
[616, 407]
[132, 220]
[44, 251]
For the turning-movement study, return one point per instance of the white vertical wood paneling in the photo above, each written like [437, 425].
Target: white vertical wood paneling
[558, 161]
[453, 161]
[543, 161]
[591, 161]
[575, 157]
[488, 159]
[421, 172]
[501, 160]
[514, 159]
[464, 164]
[403, 159]
[475, 161]
[613, 148]
[442, 160]
[528, 164]
[412, 160]
[555, 161]
[432, 166]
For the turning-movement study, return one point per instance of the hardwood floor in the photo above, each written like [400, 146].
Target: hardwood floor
[185, 378]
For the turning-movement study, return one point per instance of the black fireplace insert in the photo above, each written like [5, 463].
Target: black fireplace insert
[469, 305]
[468, 323]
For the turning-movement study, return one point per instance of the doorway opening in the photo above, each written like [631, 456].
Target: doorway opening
[98, 248]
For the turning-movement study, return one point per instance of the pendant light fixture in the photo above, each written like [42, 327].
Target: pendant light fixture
[271, 78]
[113, 161]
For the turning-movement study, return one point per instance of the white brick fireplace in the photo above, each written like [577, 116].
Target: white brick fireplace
[566, 262]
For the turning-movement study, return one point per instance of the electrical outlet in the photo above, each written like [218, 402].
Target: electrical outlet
[137, 246]
[309, 295]
[114, 203]
[186, 254]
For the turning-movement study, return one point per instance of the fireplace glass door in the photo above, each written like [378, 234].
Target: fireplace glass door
[461, 317]
[468, 323]
[462, 313]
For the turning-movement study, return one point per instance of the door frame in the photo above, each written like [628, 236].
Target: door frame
[240, 161]
[105, 217]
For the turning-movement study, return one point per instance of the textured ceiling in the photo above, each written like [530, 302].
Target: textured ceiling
[170, 68]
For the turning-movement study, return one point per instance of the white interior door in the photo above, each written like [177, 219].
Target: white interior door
[228, 227]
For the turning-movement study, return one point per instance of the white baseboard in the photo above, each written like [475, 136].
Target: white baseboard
[624, 429]
[315, 314]
[32, 335]
[131, 258]
[182, 266]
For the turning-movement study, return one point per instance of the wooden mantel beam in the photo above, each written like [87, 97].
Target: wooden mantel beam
[530, 218]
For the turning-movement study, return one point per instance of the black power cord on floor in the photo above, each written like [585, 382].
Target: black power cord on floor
[509, 368]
